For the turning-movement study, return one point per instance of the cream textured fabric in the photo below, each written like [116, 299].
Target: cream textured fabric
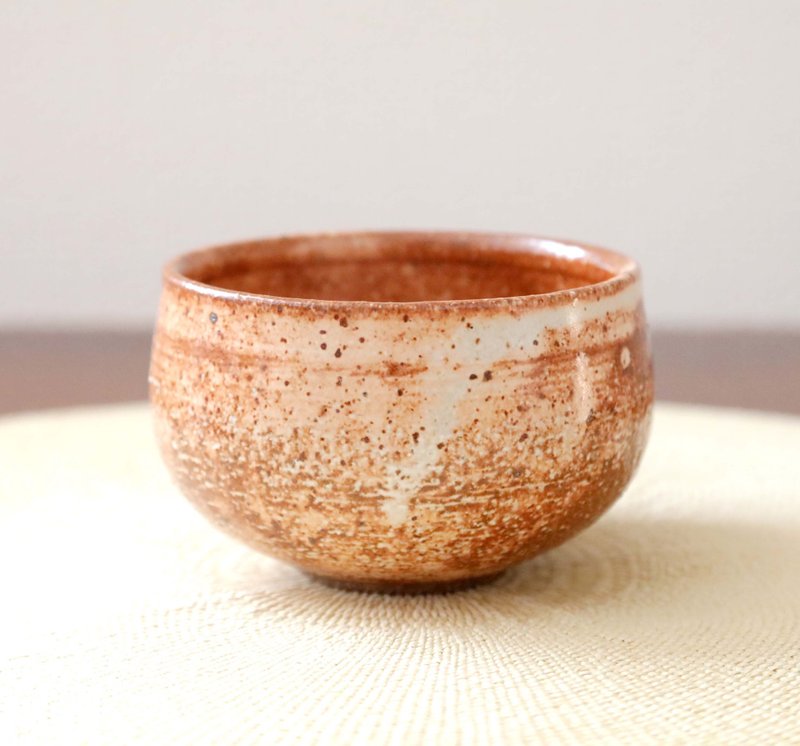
[126, 618]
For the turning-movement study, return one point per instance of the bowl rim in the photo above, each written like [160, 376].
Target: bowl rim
[625, 270]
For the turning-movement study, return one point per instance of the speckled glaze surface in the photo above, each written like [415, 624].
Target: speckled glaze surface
[402, 411]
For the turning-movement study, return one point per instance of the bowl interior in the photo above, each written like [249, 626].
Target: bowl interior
[400, 267]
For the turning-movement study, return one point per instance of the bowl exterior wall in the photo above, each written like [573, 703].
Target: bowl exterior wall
[372, 443]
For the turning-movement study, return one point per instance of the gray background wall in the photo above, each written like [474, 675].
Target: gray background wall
[132, 131]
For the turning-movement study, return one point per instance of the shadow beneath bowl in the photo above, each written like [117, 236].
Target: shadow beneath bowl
[642, 569]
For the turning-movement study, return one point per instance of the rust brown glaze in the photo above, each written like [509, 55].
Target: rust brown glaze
[402, 411]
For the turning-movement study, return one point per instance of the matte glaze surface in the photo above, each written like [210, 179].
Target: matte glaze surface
[399, 445]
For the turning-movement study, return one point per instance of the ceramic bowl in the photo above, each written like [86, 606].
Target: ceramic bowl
[402, 411]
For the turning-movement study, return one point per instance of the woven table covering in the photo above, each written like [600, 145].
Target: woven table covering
[127, 619]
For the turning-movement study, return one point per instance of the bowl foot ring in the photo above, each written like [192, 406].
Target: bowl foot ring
[393, 587]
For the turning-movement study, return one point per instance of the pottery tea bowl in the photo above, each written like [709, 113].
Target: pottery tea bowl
[402, 411]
